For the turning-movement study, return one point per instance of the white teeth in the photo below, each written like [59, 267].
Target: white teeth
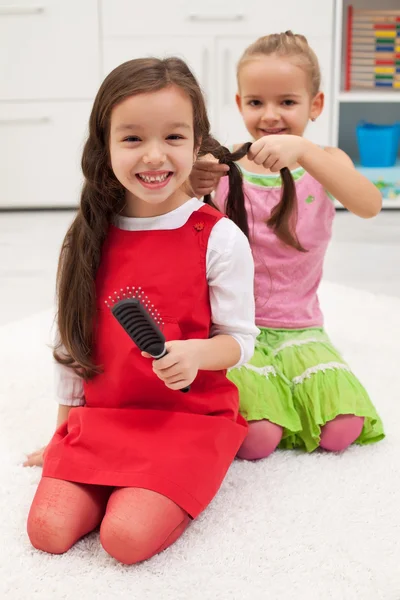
[153, 178]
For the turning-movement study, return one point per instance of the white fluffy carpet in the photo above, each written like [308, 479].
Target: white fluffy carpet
[312, 527]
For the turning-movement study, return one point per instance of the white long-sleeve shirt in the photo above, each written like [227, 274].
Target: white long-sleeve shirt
[230, 276]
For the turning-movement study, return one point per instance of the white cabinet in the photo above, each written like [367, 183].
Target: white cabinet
[320, 131]
[197, 52]
[41, 147]
[229, 127]
[216, 17]
[54, 55]
[211, 36]
[48, 49]
[49, 74]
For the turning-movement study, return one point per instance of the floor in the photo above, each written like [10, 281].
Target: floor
[309, 527]
[364, 254]
[345, 547]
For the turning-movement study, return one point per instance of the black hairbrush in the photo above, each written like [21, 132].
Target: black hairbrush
[141, 326]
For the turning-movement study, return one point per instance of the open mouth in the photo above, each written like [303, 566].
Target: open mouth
[155, 179]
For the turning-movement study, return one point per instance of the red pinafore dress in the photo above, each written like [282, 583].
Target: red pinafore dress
[133, 431]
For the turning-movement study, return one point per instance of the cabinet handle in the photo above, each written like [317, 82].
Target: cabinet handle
[197, 17]
[25, 121]
[205, 73]
[6, 11]
[226, 68]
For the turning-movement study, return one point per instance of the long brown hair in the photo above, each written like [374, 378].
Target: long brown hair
[283, 218]
[103, 196]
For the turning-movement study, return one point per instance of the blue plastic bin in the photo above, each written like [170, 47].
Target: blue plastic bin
[378, 144]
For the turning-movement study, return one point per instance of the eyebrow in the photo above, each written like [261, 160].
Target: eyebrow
[132, 127]
[291, 94]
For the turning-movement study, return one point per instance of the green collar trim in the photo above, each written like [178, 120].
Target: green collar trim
[269, 180]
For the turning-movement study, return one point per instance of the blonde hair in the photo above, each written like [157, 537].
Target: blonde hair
[288, 45]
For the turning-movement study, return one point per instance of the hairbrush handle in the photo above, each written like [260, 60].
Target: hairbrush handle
[184, 390]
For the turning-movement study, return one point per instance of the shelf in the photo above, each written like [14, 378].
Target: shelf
[369, 96]
[387, 179]
[386, 204]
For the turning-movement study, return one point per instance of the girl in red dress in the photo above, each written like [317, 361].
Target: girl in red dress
[132, 453]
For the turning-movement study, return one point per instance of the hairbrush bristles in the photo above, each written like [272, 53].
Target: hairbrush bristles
[140, 326]
[138, 293]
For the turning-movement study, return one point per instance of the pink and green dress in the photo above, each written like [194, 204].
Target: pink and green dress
[296, 378]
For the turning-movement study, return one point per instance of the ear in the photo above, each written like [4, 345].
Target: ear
[196, 150]
[239, 102]
[317, 105]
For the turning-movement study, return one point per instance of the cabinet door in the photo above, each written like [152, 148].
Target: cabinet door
[41, 152]
[49, 49]
[197, 52]
[177, 17]
[229, 126]
[320, 131]
[216, 17]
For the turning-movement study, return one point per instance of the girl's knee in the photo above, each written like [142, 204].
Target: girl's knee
[46, 533]
[140, 523]
[62, 512]
[129, 543]
[262, 439]
[123, 541]
[341, 432]
[132, 543]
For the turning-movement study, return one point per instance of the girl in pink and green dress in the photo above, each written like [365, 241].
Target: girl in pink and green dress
[297, 391]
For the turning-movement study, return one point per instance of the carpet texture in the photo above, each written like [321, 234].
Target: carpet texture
[312, 527]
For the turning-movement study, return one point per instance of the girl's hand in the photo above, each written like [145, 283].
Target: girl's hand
[205, 175]
[178, 368]
[274, 152]
[35, 459]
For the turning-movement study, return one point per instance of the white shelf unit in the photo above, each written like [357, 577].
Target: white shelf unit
[387, 178]
[360, 96]
[349, 107]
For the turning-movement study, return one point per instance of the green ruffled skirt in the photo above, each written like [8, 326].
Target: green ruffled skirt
[298, 380]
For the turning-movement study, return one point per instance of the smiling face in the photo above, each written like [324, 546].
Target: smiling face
[152, 150]
[275, 96]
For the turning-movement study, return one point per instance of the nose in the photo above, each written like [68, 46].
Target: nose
[271, 113]
[154, 155]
